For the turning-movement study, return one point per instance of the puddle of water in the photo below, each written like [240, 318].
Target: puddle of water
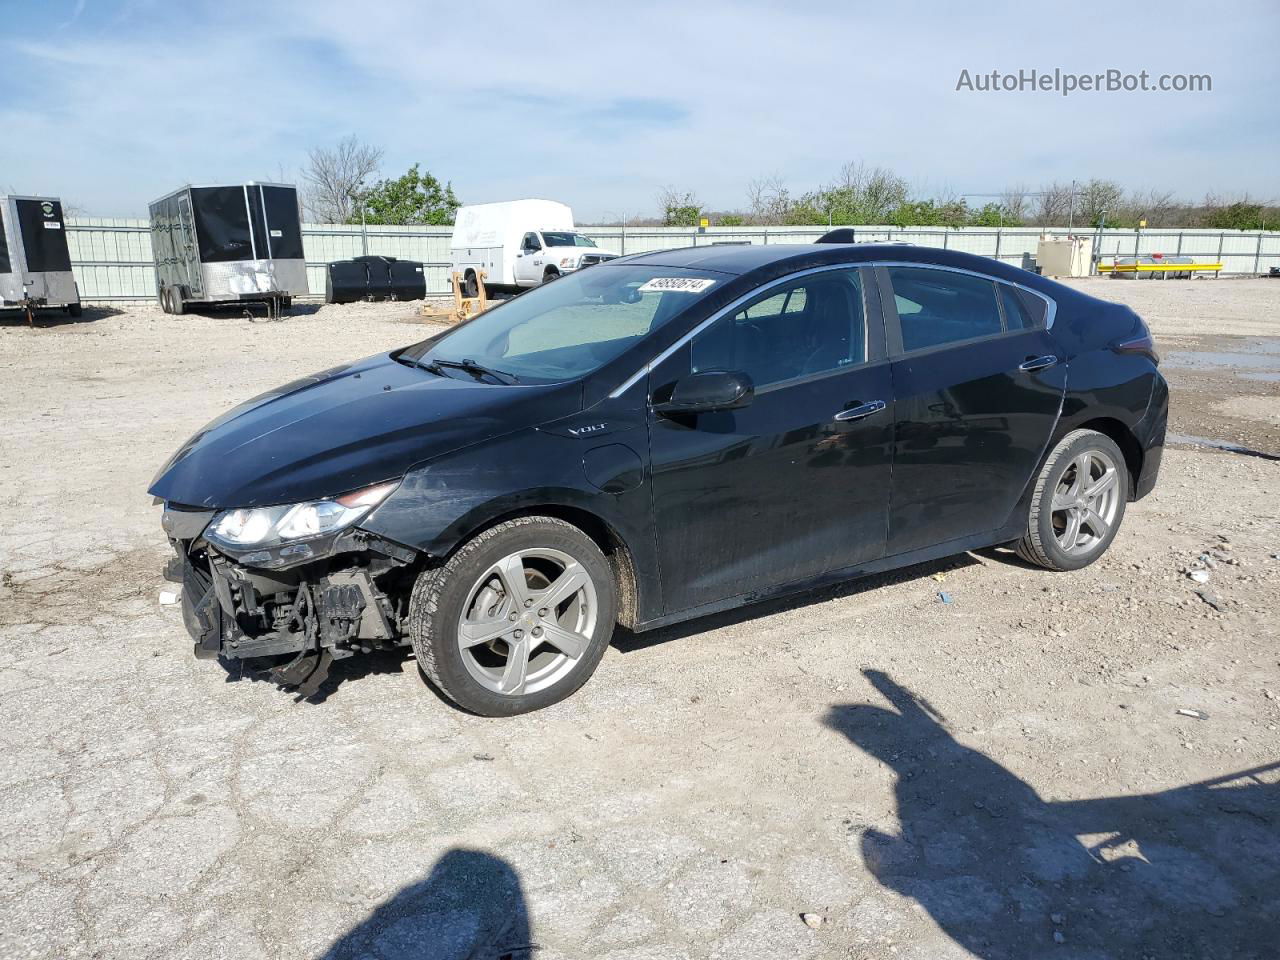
[1214, 358]
[1256, 355]
[1190, 440]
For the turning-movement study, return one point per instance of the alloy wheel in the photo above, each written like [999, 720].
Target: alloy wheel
[527, 621]
[1085, 502]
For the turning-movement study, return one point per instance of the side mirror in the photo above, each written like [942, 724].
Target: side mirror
[708, 392]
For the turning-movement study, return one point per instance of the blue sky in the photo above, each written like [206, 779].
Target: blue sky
[110, 103]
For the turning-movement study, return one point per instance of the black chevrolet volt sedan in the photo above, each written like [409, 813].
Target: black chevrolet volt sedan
[654, 439]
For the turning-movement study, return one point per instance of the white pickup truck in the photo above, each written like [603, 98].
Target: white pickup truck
[519, 243]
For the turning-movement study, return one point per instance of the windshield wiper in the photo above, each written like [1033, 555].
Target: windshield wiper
[477, 370]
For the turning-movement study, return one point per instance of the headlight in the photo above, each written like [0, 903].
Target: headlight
[567, 261]
[269, 526]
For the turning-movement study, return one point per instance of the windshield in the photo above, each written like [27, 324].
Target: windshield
[572, 326]
[564, 239]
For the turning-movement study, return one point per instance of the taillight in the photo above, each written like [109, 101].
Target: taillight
[1138, 342]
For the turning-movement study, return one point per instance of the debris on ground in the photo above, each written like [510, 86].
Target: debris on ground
[1188, 712]
[812, 920]
[944, 596]
[168, 598]
[1212, 599]
[1199, 576]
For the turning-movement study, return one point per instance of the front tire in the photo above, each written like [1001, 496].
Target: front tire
[517, 619]
[1078, 502]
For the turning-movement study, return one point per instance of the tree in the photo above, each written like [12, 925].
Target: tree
[1240, 214]
[334, 176]
[1014, 201]
[769, 200]
[679, 208]
[415, 197]
[1098, 198]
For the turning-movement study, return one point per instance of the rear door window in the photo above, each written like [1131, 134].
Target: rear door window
[938, 307]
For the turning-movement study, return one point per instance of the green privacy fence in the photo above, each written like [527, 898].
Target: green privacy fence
[112, 257]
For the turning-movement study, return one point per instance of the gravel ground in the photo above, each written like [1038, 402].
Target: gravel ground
[1006, 775]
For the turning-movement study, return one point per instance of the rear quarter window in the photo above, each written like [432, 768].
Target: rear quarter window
[938, 307]
[1022, 310]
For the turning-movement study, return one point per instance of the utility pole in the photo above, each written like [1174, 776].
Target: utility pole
[357, 195]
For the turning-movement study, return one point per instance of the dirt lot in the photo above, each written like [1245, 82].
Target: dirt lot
[1005, 775]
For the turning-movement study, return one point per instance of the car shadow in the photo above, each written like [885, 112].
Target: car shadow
[471, 906]
[628, 641]
[1189, 872]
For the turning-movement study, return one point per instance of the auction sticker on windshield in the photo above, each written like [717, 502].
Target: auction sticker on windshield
[676, 284]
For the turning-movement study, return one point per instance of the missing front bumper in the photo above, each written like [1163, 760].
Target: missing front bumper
[237, 613]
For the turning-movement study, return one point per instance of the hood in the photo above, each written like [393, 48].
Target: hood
[347, 428]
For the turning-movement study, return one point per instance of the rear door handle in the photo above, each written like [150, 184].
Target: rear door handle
[1037, 363]
[860, 411]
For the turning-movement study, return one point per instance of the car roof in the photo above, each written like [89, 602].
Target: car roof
[766, 261]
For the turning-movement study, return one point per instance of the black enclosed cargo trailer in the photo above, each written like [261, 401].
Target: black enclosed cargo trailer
[35, 263]
[218, 245]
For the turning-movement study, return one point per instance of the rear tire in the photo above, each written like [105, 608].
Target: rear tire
[552, 274]
[497, 646]
[1078, 502]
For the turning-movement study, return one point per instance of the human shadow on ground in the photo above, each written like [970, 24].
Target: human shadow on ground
[1190, 872]
[469, 907]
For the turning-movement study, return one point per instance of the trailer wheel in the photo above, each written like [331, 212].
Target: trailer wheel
[163, 297]
[176, 304]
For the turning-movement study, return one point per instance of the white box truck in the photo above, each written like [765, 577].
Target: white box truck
[519, 243]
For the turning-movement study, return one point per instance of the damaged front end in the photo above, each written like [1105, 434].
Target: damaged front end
[294, 604]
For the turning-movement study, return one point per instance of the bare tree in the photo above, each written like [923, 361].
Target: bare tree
[1015, 202]
[1158, 207]
[769, 200]
[334, 176]
[1096, 198]
[1053, 205]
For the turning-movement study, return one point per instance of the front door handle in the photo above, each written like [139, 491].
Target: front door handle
[860, 411]
[1037, 363]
